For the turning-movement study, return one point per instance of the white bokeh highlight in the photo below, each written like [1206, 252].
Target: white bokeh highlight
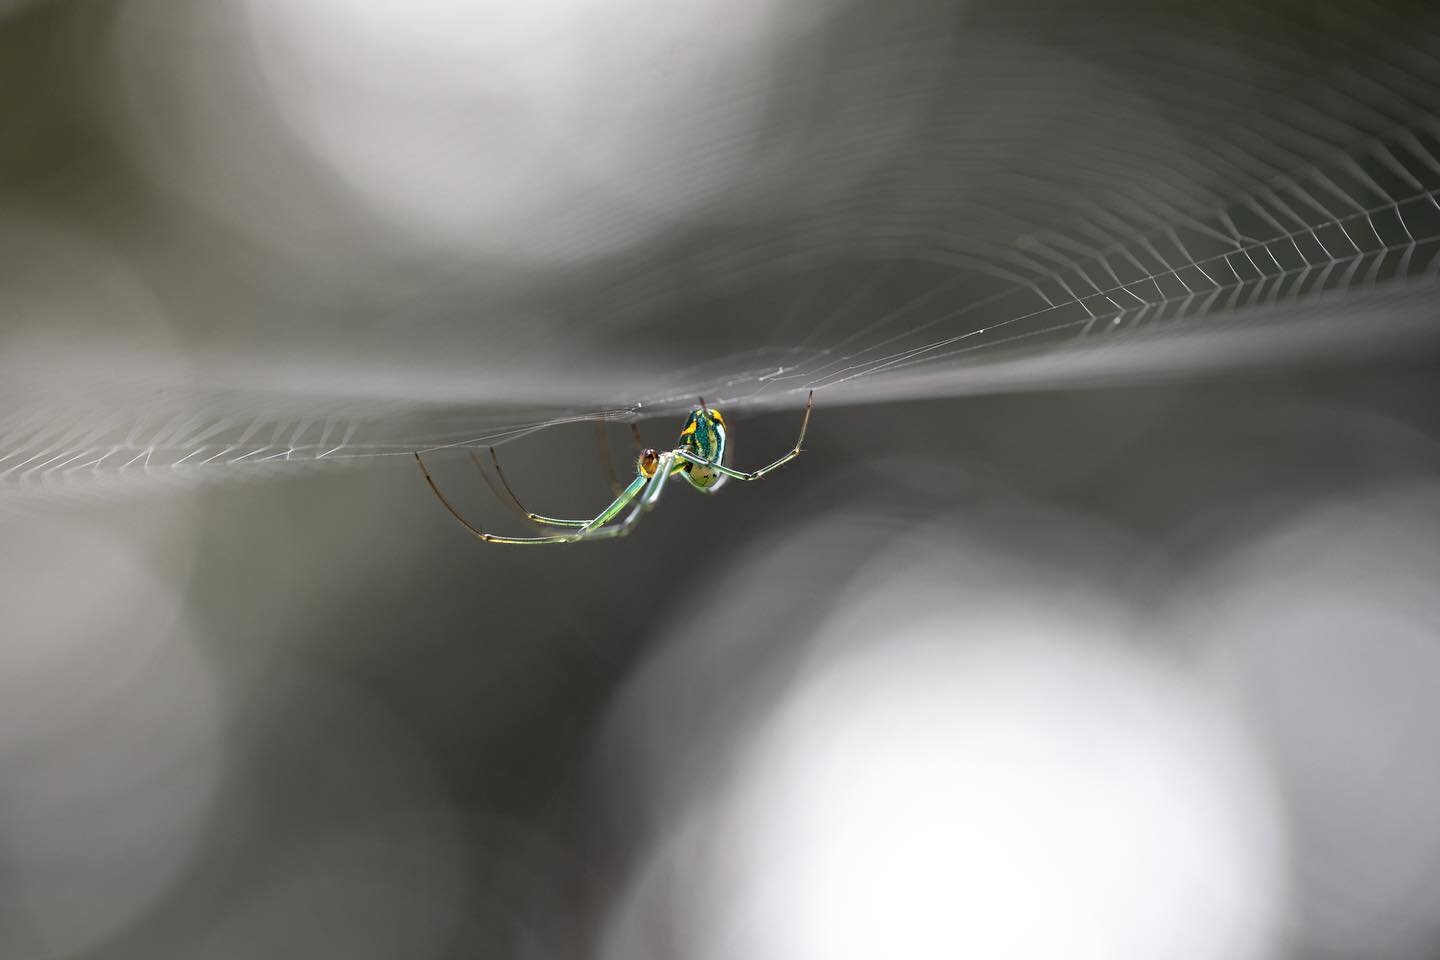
[1030, 800]
[547, 133]
[971, 757]
[1324, 632]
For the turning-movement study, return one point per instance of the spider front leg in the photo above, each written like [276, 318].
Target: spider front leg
[652, 495]
[587, 526]
[538, 519]
[511, 499]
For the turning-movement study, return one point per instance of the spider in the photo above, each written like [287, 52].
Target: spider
[699, 458]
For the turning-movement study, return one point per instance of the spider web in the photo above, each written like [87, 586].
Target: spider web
[1315, 245]
[1298, 233]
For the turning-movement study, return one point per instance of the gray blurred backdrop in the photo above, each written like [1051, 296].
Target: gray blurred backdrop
[1078, 630]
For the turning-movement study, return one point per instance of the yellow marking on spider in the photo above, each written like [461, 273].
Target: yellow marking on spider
[688, 429]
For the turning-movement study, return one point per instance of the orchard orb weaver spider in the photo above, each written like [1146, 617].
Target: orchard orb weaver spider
[699, 458]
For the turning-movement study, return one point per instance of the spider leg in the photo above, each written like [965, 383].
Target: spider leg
[500, 494]
[611, 512]
[651, 497]
[627, 495]
[535, 518]
[604, 450]
[756, 474]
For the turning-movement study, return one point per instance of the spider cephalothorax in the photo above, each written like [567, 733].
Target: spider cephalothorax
[700, 458]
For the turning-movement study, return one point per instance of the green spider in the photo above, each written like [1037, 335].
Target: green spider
[700, 459]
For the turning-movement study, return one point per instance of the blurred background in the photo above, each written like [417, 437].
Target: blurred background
[1100, 617]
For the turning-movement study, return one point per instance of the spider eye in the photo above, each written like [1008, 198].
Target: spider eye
[647, 462]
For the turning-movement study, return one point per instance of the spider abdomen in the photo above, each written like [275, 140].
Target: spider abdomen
[704, 436]
[702, 476]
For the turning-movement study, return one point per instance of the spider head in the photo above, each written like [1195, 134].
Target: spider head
[647, 462]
